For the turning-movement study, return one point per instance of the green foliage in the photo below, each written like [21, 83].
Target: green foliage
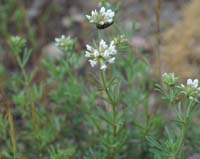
[57, 153]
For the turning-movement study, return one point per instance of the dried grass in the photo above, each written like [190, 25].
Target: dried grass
[181, 45]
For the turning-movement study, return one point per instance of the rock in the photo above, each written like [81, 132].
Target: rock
[195, 156]
[141, 43]
[51, 51]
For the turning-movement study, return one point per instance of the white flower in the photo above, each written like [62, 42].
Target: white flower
[192, 83]
[64, 43]
[103, 17]
[191, 89]
[59, 41]
[111, 60]
[103, 67]
[92, 62]
[103, 55]
[87, 54]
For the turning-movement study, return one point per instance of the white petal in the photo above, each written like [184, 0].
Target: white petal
[112, 14]
[88, 17]
[92, 63]
[106, 54]
[57, 39]
[189, 82]
[103, 44]
[96, 53]
[87, 54]
[111, 60]
[110, 20]
[101, 22]
[103, 67]
[196, 81]
[89, 48]
[112, 42]
[102, 10]
[182, 85]
[93, 13]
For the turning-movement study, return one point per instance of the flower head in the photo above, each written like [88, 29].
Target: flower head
[191, 89]
[17, 44]
[103, 55]
[169, 79]
[193, 83]
[102, 19]
[64, 43]
[120, 40]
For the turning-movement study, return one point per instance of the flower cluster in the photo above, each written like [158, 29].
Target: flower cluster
[102, 19]
[104, 54]
[192, 88]
[64, 43]
[169, 79]
[17, 44]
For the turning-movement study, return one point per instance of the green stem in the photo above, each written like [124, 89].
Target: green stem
[34, 116]
[27, 84]
[181, 139]
[25, 77]
[12, 130]
[183, 130]
[103, 78]
[113, 104]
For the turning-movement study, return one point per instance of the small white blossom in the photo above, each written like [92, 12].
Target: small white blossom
[64, 43]
[111, 60]
[60, 41]
[92, 62]
[103, 55]
[192, 83]
[191, 89]
[103, 67]
[103, 17]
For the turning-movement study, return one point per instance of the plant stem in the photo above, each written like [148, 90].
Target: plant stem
[103, 78]
[181, 139]
[183, 130]
[34, 116]
[12, 133]
[12, 130]
[112, 102]
[112, 151]
[158, 37]
[27, 85]
[27, 23]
